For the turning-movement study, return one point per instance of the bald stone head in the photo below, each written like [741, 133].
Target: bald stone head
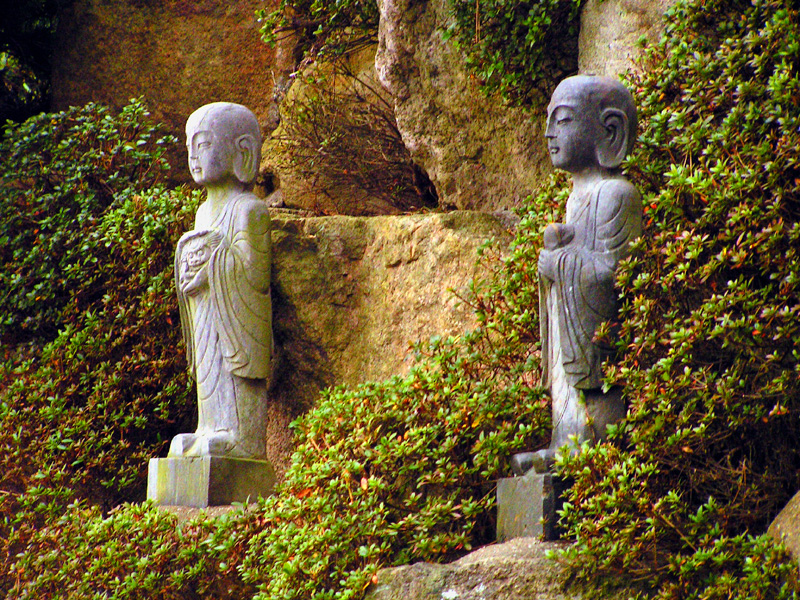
[224, 141]
[591, 121]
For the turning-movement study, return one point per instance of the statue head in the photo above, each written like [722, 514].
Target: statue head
[224, 141]
[591, 121]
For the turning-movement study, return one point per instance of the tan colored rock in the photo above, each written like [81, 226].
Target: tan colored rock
[479, 153]
[337, 150]
[610, 32]
[785, 528]
[516, 570]
[178, 55]
[351, 294]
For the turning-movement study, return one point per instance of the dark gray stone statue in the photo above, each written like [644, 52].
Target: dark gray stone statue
[591, 127]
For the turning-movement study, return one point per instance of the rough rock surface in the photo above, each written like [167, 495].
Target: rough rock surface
[178, 55]
[351, 294]
[479, 153]
[786, 527]
[353, 80]
[515, 570]
[610, 31]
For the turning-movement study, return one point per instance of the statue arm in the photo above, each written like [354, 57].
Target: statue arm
[239, 276]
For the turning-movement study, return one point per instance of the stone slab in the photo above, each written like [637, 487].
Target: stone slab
[207, 481]
[527, 505]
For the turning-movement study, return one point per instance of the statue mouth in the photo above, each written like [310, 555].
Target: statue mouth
[553, 149]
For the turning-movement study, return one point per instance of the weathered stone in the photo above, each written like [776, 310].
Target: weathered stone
[478, 152]
[178, 55]
[351, 294]
[527, 506]
[207, 481]
[222, 277]
[515, 570]
[786, 527]
[337, 126]
[611, 30]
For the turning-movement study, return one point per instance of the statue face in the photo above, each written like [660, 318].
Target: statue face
[210, 157]
[573, 129]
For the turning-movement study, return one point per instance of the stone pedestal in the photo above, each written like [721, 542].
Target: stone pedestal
[207, 481]
[526, 506]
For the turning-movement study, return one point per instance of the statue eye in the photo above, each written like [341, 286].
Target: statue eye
[564, 120]
[204, 145]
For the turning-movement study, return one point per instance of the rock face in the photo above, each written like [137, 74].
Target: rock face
[337, 149]
[516, 570]
[610, 32]
[351, 294]
[178, 55]
[479, 153]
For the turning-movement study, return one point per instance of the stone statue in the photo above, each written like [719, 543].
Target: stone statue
[591, 127]
[222, 272]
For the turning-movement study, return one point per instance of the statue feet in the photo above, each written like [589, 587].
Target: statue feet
[541, 461]
[219, 443]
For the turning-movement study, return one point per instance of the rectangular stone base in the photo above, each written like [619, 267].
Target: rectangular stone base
[207, 480]
[526, 506]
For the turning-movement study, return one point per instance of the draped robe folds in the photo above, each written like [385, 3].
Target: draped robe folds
[581, 294]
[227, 325]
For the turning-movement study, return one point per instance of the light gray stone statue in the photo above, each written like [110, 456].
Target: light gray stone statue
[222, 272]
[591, 127]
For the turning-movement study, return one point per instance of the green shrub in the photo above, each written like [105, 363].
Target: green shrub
[80, 417]
[710, 340]
[520, 48]
[137, 551]
[60, 173]
[92, 380]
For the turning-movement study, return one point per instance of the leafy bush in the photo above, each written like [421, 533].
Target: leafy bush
[710, 338]
[60, 172]
[138, 551]
[339, 140]
[87, 399]
[520, 48]
[389, 474]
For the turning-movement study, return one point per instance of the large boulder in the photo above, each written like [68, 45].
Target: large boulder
[337, 149]
[517, 570]
[611, 31]
[351, 294]
[177, 55]
[785, 529]
[479, 153]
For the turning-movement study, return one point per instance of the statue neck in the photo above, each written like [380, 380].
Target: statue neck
[583, 181]
[219, 193]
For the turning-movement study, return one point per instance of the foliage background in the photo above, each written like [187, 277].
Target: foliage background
[676, 502]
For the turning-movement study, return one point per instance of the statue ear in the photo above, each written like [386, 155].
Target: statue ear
[245, 162]
[613, 147]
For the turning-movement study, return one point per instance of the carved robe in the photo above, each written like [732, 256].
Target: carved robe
[227, 325]
[582, 295]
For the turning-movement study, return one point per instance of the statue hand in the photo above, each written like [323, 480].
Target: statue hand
[546, 265]
[193, 286]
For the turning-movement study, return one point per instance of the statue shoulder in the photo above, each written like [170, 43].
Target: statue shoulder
[251, 212]
[617, 195]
